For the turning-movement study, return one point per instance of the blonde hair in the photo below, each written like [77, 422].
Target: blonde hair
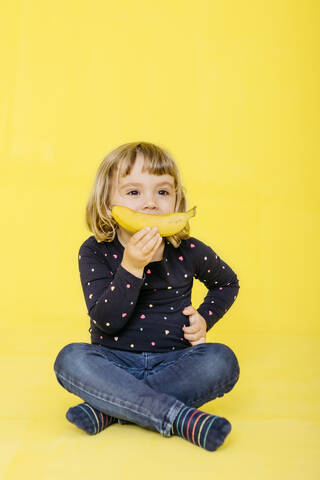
[117, 163]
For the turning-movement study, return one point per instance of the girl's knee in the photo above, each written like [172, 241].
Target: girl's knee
[221, 354]
[67, 355]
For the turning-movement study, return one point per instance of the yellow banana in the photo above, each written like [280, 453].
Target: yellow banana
[168, 224]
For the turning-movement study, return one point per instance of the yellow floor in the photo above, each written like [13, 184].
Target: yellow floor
[274, 412]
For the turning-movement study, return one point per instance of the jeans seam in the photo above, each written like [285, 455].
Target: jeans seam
[171, 415]
[81, 387]
[122, 366]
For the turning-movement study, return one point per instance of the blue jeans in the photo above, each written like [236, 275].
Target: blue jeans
[148, 389]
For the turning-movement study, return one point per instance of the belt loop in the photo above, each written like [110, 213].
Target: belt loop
[145, 360]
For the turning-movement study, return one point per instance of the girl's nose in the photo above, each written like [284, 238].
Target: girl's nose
[149, 204]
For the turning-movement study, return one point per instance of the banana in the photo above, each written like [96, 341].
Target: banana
[168, 224]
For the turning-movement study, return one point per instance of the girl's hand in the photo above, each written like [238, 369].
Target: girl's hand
[196, 333]
[141, 248]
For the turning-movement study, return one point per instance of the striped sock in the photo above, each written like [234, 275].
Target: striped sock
[89, 419]
[201, 428]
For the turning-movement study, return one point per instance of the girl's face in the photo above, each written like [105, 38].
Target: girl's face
[144, 192]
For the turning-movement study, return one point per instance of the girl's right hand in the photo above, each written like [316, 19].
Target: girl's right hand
[141, 248]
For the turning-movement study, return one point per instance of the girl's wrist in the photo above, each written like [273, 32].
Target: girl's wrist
[138, 272]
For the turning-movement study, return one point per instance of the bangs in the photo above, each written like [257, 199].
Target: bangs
[155, 162]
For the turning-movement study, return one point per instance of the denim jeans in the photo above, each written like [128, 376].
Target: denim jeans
[146, 388]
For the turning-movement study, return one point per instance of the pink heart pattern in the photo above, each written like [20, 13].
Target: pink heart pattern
[148, 271]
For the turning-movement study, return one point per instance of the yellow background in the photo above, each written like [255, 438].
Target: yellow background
[231, 89]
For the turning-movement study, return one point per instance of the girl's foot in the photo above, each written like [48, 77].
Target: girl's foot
[201, 428]
[89, 419]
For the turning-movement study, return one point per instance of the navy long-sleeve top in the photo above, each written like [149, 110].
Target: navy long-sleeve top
[145, 314]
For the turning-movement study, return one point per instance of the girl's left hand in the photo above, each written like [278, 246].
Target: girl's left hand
[196, 333]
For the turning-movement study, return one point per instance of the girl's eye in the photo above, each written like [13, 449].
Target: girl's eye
[167, 193]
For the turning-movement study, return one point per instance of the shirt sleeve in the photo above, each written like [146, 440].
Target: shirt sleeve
[110, 297]
[221, 281]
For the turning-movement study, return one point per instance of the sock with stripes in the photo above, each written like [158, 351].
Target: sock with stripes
[89, 419]
[201, 428]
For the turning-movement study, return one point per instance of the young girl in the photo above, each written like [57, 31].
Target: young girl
[148, 362]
